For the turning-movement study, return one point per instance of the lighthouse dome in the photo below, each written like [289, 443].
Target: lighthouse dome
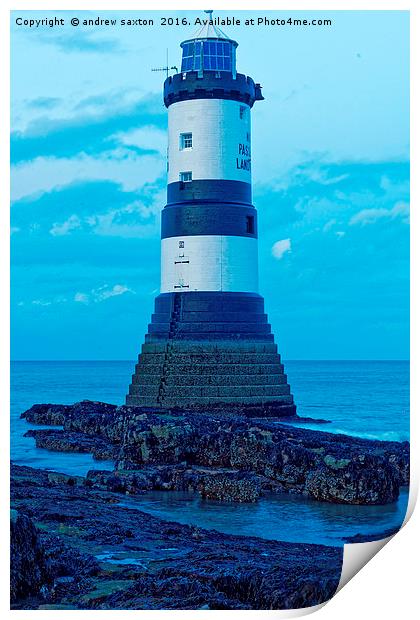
[210, 49]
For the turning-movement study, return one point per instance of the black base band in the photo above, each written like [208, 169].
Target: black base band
[210, 315]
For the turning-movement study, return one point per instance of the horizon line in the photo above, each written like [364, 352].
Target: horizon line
[285, 359]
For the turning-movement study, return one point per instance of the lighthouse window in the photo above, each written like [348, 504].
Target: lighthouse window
[186, 141]
[185, 177]
[188, 54]
[217, 56]
[191, 56]
[208, 55]
[242, 110]
[250, 224]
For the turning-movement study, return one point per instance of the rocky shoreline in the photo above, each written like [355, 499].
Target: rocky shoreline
[74, 546]
[222, 457]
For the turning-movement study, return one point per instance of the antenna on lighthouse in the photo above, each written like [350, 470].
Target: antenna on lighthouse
[167, 68]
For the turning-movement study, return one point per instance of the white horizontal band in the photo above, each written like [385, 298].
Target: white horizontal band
[209, 263]
[221, 140]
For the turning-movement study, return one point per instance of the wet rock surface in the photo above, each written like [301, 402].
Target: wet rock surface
[90, 552]
[60, 441]
[30, 573]
[362, 538]
[224, 457]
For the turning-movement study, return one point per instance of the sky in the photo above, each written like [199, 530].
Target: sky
[330, 181]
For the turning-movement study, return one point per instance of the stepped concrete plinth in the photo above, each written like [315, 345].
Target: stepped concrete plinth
[210, 350]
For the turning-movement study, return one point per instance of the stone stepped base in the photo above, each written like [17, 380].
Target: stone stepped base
[217, 369]
[213, 391]
[163, 336]
[226, 329]
[227, 357]
[210, 347]
[254, 406]
[202, 379]
[213, 317]
[211, 350]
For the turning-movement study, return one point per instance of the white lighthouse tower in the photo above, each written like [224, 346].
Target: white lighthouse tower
[209, 343]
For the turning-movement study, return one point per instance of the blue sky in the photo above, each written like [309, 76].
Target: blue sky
[330, 173]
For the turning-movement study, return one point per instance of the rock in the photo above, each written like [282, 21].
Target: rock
[354, 484]
[297, 419]
[333, 463]
[30, 573]
[211, 483]
[57, 478]
[119, 482]
[361, 538]
[68, 565]
[230, 487]
[167, 447]
[144, 562]
[62, 441]
[53, 415]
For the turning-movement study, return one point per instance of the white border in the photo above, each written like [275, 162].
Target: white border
[342, 606]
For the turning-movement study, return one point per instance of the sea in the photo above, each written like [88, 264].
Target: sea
[361, 398]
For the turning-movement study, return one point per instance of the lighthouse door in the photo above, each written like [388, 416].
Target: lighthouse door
[181, 270]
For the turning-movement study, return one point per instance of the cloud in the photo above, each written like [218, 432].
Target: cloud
[95, 295]
[117, 289]
[90, 131]
[101, 294]
[329, 225]
[134, 220]
[84, 199]
[84, 209]
[80, 41]
[148, 137]
[119, 139]
[63, 229]
[44, 103]
[280, 248]
[81, 298]
[121, 166]
[371, 216]
[319, 173]
[137, 219]
[300, 203]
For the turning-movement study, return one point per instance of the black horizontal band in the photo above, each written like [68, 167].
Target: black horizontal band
[213, 85]
[205, 315]
[209, 219]
[210, 190]
[211, 301]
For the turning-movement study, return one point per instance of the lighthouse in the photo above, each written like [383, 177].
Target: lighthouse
[209, 344]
